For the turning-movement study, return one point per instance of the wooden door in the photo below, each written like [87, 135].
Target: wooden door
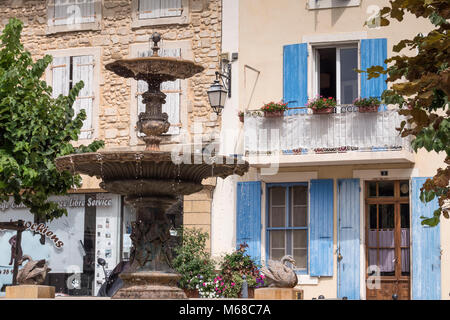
[388, 262]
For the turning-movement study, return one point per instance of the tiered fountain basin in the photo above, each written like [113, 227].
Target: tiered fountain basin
[151, 180]
[139, 174]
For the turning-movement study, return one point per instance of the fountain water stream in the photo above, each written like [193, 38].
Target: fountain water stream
[149, 179]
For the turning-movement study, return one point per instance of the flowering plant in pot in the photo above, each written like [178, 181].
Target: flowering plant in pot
[192, 261]
[320, 105]
[274, 109]
[367, 104]
[236, 265]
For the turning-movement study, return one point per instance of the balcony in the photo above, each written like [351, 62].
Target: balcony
[343, 137]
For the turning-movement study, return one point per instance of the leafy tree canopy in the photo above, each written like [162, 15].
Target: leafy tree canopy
[421, 88]
[34, 129]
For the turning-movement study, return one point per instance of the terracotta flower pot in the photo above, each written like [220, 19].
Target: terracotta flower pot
[368, 109]
[323, 110]
[191, 293]
[274, 114]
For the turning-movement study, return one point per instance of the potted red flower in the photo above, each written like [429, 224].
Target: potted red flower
[321, 105]
[274, 109]
[367, 104]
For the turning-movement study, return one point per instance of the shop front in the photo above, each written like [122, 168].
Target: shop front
[72, 244]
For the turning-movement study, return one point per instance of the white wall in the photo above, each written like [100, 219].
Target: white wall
[223, 215]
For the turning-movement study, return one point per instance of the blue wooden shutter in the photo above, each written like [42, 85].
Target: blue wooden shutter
[248, 217]
[426, 250]
[373, 53]
[295, 76]
[348, 238]
[321, 228]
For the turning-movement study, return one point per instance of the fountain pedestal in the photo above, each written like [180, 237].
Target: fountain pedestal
[152, 276]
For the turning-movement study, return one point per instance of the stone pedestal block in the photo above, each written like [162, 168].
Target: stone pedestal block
[278, 294]
[30, 292]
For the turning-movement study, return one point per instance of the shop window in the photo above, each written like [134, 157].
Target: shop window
[155, 12]
[73, 15]
[287, 225]
[335, 74]
[71, 244]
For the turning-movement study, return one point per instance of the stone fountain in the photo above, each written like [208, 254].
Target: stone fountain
[149, 179]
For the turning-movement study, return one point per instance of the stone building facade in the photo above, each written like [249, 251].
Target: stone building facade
[116, 29]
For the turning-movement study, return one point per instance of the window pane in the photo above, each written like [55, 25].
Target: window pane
[301, 257]
[327, 67]
[277, 244]
[278, 196]
[300, 248]
[300, 195]
[404, 188]
[277, 217]
[404, 213]
[372, 189]
[349, 78]
[386, 216]
[372, 216]
[300, 215]
[386, 188]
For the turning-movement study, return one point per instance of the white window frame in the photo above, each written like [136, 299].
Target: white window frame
[136, 22]
[186, 53]
[96, 53]
[315, 66]
[52, 28]
[325, 4]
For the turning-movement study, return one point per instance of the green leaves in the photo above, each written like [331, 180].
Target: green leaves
[420, 87]
[34, 129]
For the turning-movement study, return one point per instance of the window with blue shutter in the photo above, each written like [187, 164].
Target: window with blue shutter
[373, 53]
[321, 227]
[426, 248]
[287, 223]
[248, 217]
[295, 77]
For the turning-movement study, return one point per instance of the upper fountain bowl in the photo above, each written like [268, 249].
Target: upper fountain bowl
[155, 68]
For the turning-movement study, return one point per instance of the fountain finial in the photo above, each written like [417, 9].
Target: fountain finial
[156, 37]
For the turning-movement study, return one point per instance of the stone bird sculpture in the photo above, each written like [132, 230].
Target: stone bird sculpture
[34, 272]
[279, 275]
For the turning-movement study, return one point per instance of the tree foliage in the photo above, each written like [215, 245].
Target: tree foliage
[34, 129]
[421, 88]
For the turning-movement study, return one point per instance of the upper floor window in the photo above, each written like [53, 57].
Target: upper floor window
[287, 225]
[323, 4]
[156, 12]
[69, 67]
[335, 74]
[73, 15]
[151, 9]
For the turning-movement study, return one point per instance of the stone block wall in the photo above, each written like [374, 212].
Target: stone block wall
[115, 36]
